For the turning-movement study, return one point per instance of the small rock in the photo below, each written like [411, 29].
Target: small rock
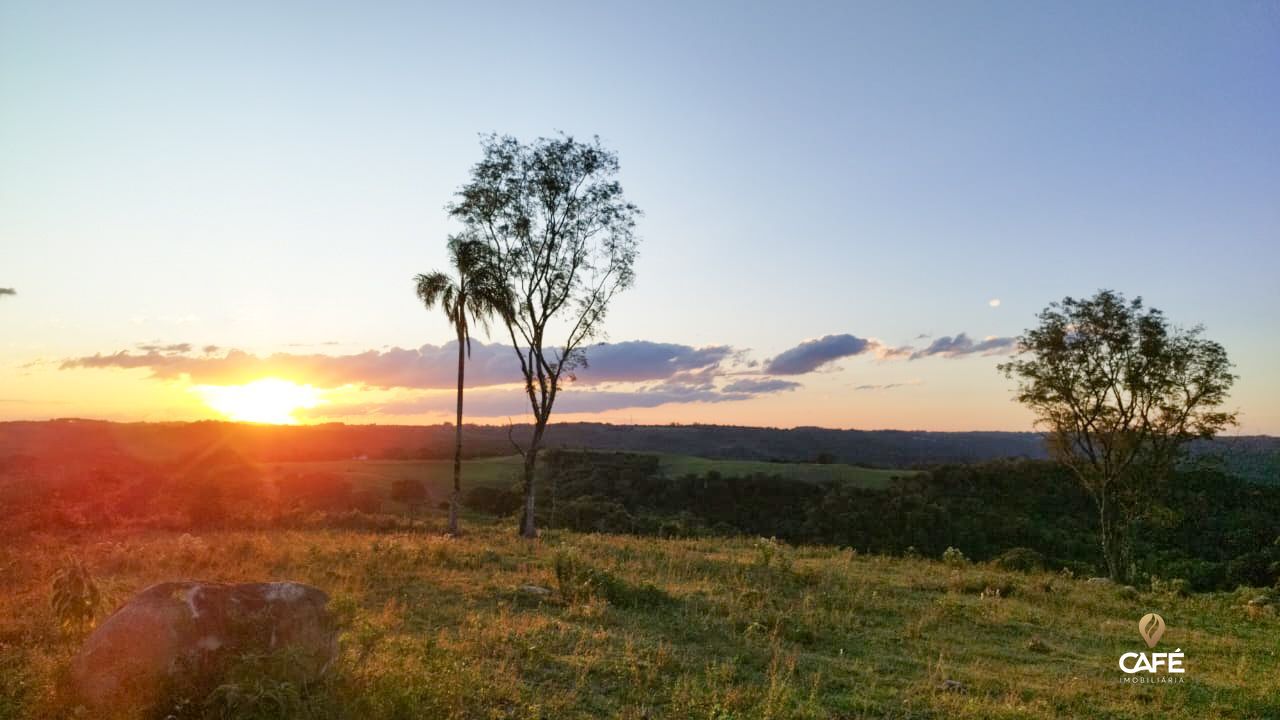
[1260, 601]
[190, 632]
[535, 590]
[1099, 580]
[954, 686]
[1128, 591]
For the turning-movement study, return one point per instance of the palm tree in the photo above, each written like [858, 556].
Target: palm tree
[476, 294]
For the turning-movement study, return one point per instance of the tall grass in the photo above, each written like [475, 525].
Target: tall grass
[645, 628]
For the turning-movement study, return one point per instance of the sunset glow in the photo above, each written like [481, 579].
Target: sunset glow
[269, 400]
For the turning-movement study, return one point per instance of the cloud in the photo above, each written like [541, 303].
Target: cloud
[427, 367]
[760, 385]
[888, 386]
[499, 402]
[813, 354]
[175, 349]
[8, 291]
[639, 360]
[994, 302]
[962, 345]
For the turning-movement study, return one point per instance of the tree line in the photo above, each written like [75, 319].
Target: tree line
[1206, 528]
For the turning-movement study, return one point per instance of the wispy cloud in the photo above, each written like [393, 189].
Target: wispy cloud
[962, 345]
[888, 386]
[760, 385]
[8, 291]
[174, 349]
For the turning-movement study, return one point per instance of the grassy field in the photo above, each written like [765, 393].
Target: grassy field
[503, 471]
[711, 629]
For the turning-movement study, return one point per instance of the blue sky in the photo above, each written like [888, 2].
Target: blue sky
[267, 178]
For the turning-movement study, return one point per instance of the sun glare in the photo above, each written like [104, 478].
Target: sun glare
[269, 400]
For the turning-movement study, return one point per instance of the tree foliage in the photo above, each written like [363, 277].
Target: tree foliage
[1119, 392]
[554, 214]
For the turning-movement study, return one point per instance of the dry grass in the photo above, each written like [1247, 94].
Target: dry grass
[713, 629]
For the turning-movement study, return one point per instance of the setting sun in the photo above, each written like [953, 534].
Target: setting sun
[269, 400]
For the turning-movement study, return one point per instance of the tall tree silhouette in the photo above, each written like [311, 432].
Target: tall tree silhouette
[472, 295]
[1120, 392]
[554, 214]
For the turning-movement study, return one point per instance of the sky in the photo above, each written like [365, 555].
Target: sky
[849, 208]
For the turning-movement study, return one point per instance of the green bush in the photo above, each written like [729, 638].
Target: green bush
[954, 557]
[1021, 559]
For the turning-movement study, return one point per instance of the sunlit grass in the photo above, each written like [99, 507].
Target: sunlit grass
[707, 628]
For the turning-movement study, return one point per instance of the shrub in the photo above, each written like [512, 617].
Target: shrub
[593, 514]
[493, 501]
[1201, 575]
[1021, 559]
[766, 550]
[75, 597]
[953, 557]
[1176, 586]
[987, 587]
[1076, 569]
[579, 581]
[1252, 569]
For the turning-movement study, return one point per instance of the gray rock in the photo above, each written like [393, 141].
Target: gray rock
[1099, 580]
[535, 590]
[954, 686]
[189, 632]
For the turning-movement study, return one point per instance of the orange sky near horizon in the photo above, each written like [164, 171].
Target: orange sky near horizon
[961, 395]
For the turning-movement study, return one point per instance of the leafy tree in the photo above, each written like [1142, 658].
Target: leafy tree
[476, 293]
[412, 493]
[554, 213]
[1120, 392]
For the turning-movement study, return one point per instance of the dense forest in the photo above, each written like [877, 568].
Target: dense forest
[1205, 528]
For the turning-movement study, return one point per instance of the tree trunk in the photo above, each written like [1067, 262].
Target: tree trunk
[1112, 549]
[454, 497]
[528, 528]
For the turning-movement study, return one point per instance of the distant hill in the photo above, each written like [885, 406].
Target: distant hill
[76, 442]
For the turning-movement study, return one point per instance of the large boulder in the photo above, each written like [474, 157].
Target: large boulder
[185, 634]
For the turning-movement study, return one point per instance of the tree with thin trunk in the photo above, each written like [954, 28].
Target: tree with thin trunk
[472, 295]
[1120, 393]
[553, 212]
